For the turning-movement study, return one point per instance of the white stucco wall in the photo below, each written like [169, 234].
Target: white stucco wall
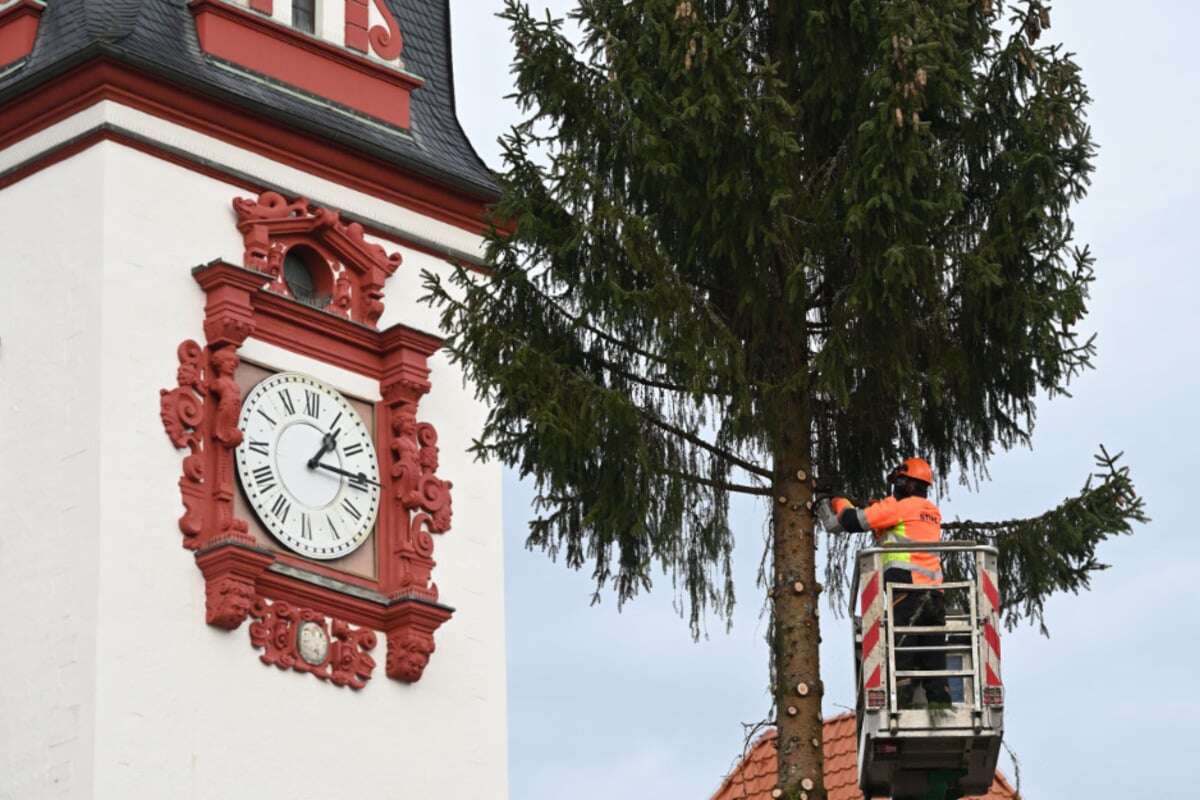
[180, 709]
[50, 369]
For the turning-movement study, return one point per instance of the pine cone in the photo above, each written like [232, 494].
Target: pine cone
[1033, 28]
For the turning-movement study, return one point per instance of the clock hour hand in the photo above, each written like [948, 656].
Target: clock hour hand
[328, 443]
[354, 476]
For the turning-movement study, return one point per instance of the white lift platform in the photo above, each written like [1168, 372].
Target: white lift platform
[916, 752]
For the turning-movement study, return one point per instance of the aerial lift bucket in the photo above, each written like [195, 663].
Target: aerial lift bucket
[908, 752]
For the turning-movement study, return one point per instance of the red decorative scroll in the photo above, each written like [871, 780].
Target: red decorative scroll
[200, 414]
[347, 662]
[422, 497]
[353, 269]
[386, 40]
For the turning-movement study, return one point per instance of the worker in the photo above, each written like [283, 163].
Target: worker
[907, 516]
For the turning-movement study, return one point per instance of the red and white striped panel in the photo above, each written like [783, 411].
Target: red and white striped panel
[873, 650]
[989, 600]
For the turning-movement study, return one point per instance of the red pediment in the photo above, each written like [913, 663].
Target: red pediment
[347, 270]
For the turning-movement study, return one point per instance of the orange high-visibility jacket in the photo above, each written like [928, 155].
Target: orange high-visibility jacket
[913, 519]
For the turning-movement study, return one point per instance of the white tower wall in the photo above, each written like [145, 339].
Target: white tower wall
[148, 700]
[50, 432]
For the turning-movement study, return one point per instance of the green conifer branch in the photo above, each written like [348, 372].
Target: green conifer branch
[1056, 551]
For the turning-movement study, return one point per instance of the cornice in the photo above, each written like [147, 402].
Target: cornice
[98, 73]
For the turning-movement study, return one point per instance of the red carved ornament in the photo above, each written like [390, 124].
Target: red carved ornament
[353, 269]
[386, 40]
[200, 416]
[347, 661]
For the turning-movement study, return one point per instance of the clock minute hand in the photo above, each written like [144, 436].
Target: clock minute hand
[355, 476]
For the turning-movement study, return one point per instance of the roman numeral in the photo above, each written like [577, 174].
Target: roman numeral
[357, 485]
[336, 535]
[286, 398]
[312, 404]
[266, 416]
[333, 425]
[351, 508]
[259, 447]
[264, 478]
[305, 527]
[353, 449]
[281, 508]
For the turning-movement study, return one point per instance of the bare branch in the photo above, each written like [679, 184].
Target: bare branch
[726, 486]
[692, 438]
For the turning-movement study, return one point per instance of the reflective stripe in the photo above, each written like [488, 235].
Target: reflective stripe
[896, 535]
[902, 560]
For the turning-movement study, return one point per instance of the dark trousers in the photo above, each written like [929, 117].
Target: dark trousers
[919, 609]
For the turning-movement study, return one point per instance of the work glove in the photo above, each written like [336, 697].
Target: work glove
[827, 517]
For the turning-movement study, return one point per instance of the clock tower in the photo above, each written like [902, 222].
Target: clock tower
[246, 550]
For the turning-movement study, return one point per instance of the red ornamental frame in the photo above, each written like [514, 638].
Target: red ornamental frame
[271, 226]
[200, 415]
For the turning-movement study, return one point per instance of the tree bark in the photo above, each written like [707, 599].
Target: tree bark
[796, 629]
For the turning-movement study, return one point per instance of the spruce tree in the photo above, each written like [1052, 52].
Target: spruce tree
[771, 246]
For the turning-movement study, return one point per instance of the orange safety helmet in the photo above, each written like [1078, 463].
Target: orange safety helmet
[915, 468]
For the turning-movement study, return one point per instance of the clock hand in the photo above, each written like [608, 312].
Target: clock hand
[328, 443]
[354, 476]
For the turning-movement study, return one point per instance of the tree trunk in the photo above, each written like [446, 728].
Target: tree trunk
[797, 635]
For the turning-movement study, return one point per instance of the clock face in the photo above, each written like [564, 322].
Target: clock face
[312, 643]
[307, 466]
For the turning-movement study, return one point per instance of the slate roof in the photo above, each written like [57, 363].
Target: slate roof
[756, 775]
[159, 36]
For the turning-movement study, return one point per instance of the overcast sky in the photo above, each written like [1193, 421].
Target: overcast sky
[605, 705]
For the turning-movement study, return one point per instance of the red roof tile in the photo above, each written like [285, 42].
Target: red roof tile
[755, 776]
